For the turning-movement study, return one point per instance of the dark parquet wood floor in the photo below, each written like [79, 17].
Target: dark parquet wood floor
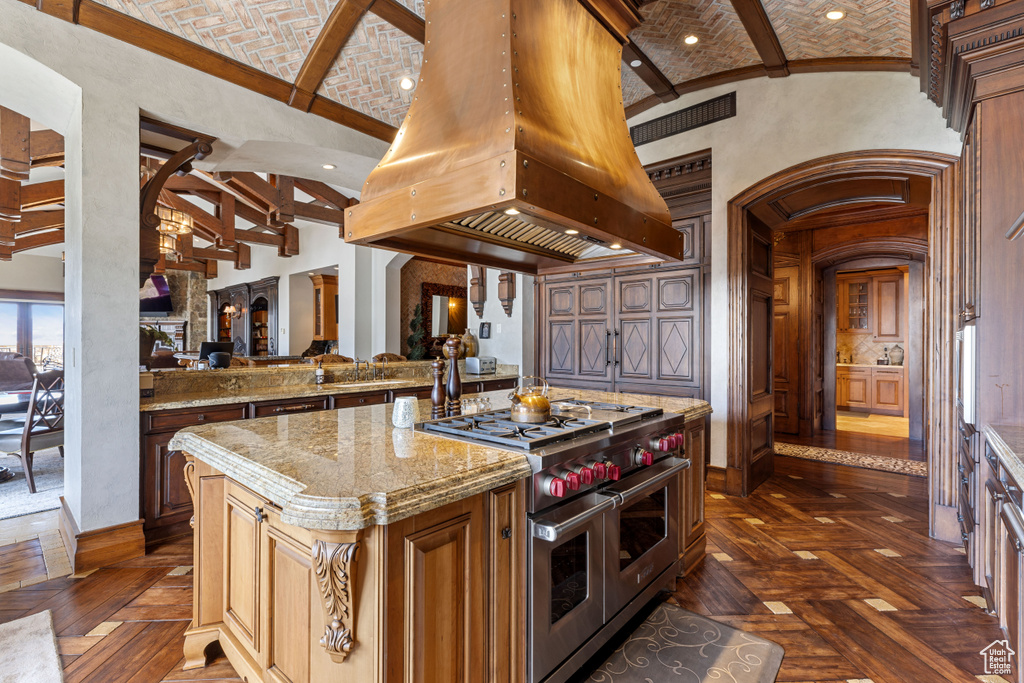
[824, 609]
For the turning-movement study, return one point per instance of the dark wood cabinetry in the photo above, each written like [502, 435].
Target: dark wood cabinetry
[874, 303]
[247, 315]
[640, 332]
[692, 535]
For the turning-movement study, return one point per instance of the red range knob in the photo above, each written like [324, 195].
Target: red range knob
[665, 444]
[679, 439]
[614, 472]
[572, 480]
[645, 458]
[600, 470]
[556, 487]
[586, 475]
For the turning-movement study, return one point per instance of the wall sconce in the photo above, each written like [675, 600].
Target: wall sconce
[232, 312]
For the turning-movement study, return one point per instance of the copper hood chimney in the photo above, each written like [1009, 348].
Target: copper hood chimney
[516, 135]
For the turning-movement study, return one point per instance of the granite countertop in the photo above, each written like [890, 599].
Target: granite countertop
[1008, 443]
[349, 469]
[201, 399]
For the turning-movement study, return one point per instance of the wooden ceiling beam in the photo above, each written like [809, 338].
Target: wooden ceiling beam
[324, 192]
[203, 220]
[34, 221]
[266, 239]
[10, 200]
[42, 194]
[258, 218]
[319, 214]
[40, 239]
[47, 148]
[649, 73]
[402, 18]
[762, 34]
[15, 155]
[8, 233]
[328, 44]
[255, 188]
[202, 253]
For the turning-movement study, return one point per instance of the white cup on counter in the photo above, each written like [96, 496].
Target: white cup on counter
[405, 412]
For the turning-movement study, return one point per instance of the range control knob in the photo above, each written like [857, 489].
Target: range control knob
[586, 474]
[600, 470]
[555, 486]
[572, 480]
[662, 443]
[678, 439]
[614, 471]
[643, 457]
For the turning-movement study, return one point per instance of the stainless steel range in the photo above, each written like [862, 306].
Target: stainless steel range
[603, 507]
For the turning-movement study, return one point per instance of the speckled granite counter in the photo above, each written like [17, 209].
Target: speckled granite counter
[1008, 443]
[348, 469]
[200, 399]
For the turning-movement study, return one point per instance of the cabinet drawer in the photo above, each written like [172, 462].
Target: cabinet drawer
[298, 405]
[498, 384]
[356, 400]
[418, 393]
[173, 420]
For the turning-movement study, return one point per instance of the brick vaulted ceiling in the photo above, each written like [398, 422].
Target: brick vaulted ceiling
[344, 59]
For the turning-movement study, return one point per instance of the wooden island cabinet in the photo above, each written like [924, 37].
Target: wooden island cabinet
[415, 600]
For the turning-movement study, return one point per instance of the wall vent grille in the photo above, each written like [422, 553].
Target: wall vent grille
[711, 111]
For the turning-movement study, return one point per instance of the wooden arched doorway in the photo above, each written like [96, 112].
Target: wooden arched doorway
[870, 181]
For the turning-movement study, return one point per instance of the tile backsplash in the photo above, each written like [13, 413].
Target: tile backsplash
[862, 349]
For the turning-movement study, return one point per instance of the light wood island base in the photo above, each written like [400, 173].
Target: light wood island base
[438, 592]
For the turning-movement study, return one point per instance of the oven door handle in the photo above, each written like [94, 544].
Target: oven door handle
[549, 530]
[674, 467]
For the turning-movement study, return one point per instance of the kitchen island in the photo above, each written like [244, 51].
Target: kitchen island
[331, 546]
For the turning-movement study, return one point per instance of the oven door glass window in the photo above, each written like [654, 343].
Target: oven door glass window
[642, 525]
[569, 581]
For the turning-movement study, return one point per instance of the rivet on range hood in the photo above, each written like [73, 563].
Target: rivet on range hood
[518, 105]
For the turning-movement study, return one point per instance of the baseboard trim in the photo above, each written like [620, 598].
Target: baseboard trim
[715, 479]
[727, 480]
[90, 550]
[693, 555]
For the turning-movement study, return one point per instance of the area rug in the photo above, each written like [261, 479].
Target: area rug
[674, 645]
[29, 648]
[868, 462]
[48, 469]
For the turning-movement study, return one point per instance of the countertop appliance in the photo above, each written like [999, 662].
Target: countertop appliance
[481, 365]
[602, 513]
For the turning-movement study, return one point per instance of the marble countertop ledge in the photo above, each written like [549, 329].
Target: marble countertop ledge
[202, 399]
[1008, 443]
[349, 469]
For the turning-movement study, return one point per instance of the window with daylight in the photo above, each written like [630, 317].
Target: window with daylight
[35, 330]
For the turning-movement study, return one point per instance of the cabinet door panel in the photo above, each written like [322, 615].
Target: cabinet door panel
[634, 295]
[676, 340]
[888, 308]
[635, 349]
[242, 575]
[887, 392]
[287, 573]
[561, 347]
[858, 391]
[692, 526]
[676, 293]
[595, 349]
[561, 300]
[594, 297]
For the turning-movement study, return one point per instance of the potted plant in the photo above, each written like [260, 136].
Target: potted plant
[148, 337]
[415, 340]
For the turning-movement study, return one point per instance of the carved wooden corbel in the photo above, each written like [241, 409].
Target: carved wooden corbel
[507, 291]
[478, 289]
[334, 565]
[190, 470]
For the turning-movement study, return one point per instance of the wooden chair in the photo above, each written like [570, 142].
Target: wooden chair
[390, 357]
[331, 359]
[44, 423]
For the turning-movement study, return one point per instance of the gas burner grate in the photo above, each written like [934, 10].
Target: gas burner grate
[610, 407]
[497, 427]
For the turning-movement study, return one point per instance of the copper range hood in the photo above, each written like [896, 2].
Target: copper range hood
[516, 134]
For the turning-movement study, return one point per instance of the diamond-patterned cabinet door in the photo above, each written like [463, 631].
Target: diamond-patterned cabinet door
[560, 350]
[676, 344]
[595, 351]
[561, 300]
[635, 339]
[676, 293]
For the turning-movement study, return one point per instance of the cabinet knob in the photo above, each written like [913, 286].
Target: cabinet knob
[506, 533]
[201, 417]
[259, 514]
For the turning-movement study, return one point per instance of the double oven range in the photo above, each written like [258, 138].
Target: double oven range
[603, 515]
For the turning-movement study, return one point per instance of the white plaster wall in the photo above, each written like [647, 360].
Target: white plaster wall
[35, 273]
[297, 315]
[781, 122]
[513, 343]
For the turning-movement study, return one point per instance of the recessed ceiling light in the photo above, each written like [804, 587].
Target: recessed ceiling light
[635, 63]
[512, 211]
[616, 246]
[691, 40]
[834, 15]
[329, 167]
[572, 232]
[406, 83]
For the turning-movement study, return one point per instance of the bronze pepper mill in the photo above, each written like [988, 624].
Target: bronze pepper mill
[439, 396]
[454, 405]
